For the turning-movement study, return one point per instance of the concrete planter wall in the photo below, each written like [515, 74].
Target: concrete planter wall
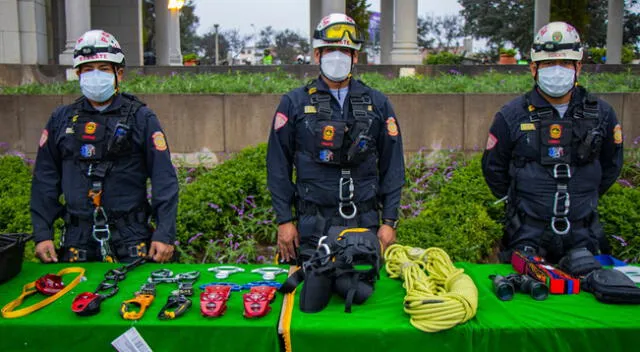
[227, 123]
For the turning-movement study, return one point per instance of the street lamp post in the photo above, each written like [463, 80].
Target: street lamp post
[216, 27]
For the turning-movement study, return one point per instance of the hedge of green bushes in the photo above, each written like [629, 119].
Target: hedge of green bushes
[225, 213]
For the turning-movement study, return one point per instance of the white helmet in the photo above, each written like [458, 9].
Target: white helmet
[338, 30]
[556, 41]
[97, 46]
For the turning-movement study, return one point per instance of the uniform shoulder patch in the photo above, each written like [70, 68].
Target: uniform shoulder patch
[280, 120]
[44, 137]
[617, 134]
[159, 142]
[491, 141]
[392, 126]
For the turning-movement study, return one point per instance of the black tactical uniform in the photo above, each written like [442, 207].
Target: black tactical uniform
[100, 163]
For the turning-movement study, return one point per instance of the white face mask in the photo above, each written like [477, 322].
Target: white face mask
[97, 85]
[336, 65]
[556, 81]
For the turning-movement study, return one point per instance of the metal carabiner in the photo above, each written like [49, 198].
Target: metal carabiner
[223, 272]
[558, 197]
[269, 273]
[347, 216]
[349, 182]
[565, 220]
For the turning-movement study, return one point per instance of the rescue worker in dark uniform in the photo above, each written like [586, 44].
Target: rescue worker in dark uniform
[552, 153]
[98, 153]
[345, 143]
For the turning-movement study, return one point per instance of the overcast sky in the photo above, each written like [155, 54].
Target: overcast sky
[284, 14]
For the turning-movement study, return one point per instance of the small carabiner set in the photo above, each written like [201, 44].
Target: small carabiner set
[88, 303]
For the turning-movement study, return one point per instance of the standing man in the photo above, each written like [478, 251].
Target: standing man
[98, 154]
[345, 143]
[552, 152]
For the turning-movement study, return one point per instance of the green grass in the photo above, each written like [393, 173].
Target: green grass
[280, 82]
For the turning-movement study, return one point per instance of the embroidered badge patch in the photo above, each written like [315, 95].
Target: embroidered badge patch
[328, 132]
[555, 131]
[90, 128]
[392, 127]
[527, 127]
[491, 141]
[159, 142]
[87, 150]
[617, 134]
[280, 120]
[326, 155]
[556, 152]
[44, 137]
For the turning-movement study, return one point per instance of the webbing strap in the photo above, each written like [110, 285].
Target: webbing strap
[29, 289]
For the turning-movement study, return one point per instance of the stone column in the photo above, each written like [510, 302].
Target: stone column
[541, 14]
[315, 15]
[332, 6]
[386, 31]
[168, 51]
[405, 45]
[77, 21]
[614, 31]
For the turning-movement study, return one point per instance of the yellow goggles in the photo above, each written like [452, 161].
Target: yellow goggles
[337, 32]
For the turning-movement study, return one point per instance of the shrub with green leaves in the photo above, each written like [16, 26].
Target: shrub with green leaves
[229, 206]
[458, 219]
[443, 58]
[619, 211]
[15, 191]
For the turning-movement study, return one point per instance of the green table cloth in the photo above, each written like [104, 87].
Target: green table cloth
[560, 323]
[57, 328]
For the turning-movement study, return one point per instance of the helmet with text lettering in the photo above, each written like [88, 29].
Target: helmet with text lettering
[556, 41]
[338, 30]
[97, 46]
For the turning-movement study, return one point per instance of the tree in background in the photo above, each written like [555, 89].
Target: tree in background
[501, 21]
[206, 47]
[237, 42]
[188, 24]
[289, 44]
[266, 38]
[358, 10]
[441, 32]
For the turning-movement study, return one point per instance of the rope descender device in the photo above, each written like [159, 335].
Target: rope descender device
[256, 302]
[176, 306]
[88, 303]
[142, 301]
[269, 273]
[49, 285]
[213, 301]
[223, 272]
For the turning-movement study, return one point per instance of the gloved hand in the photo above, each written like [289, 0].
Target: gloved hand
[579, 262]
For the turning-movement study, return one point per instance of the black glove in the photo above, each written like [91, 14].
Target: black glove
[579, 262]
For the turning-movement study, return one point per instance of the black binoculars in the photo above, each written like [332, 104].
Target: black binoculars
[505, 286]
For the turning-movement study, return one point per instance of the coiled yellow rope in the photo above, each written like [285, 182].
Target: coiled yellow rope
[439, 300]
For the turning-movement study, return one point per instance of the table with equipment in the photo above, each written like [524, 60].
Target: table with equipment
[57, 328]
[558, 323]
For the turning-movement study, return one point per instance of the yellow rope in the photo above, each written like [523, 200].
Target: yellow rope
[439, 300]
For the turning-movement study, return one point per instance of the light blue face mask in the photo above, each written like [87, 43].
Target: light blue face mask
[97, 85]
[556, 81]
